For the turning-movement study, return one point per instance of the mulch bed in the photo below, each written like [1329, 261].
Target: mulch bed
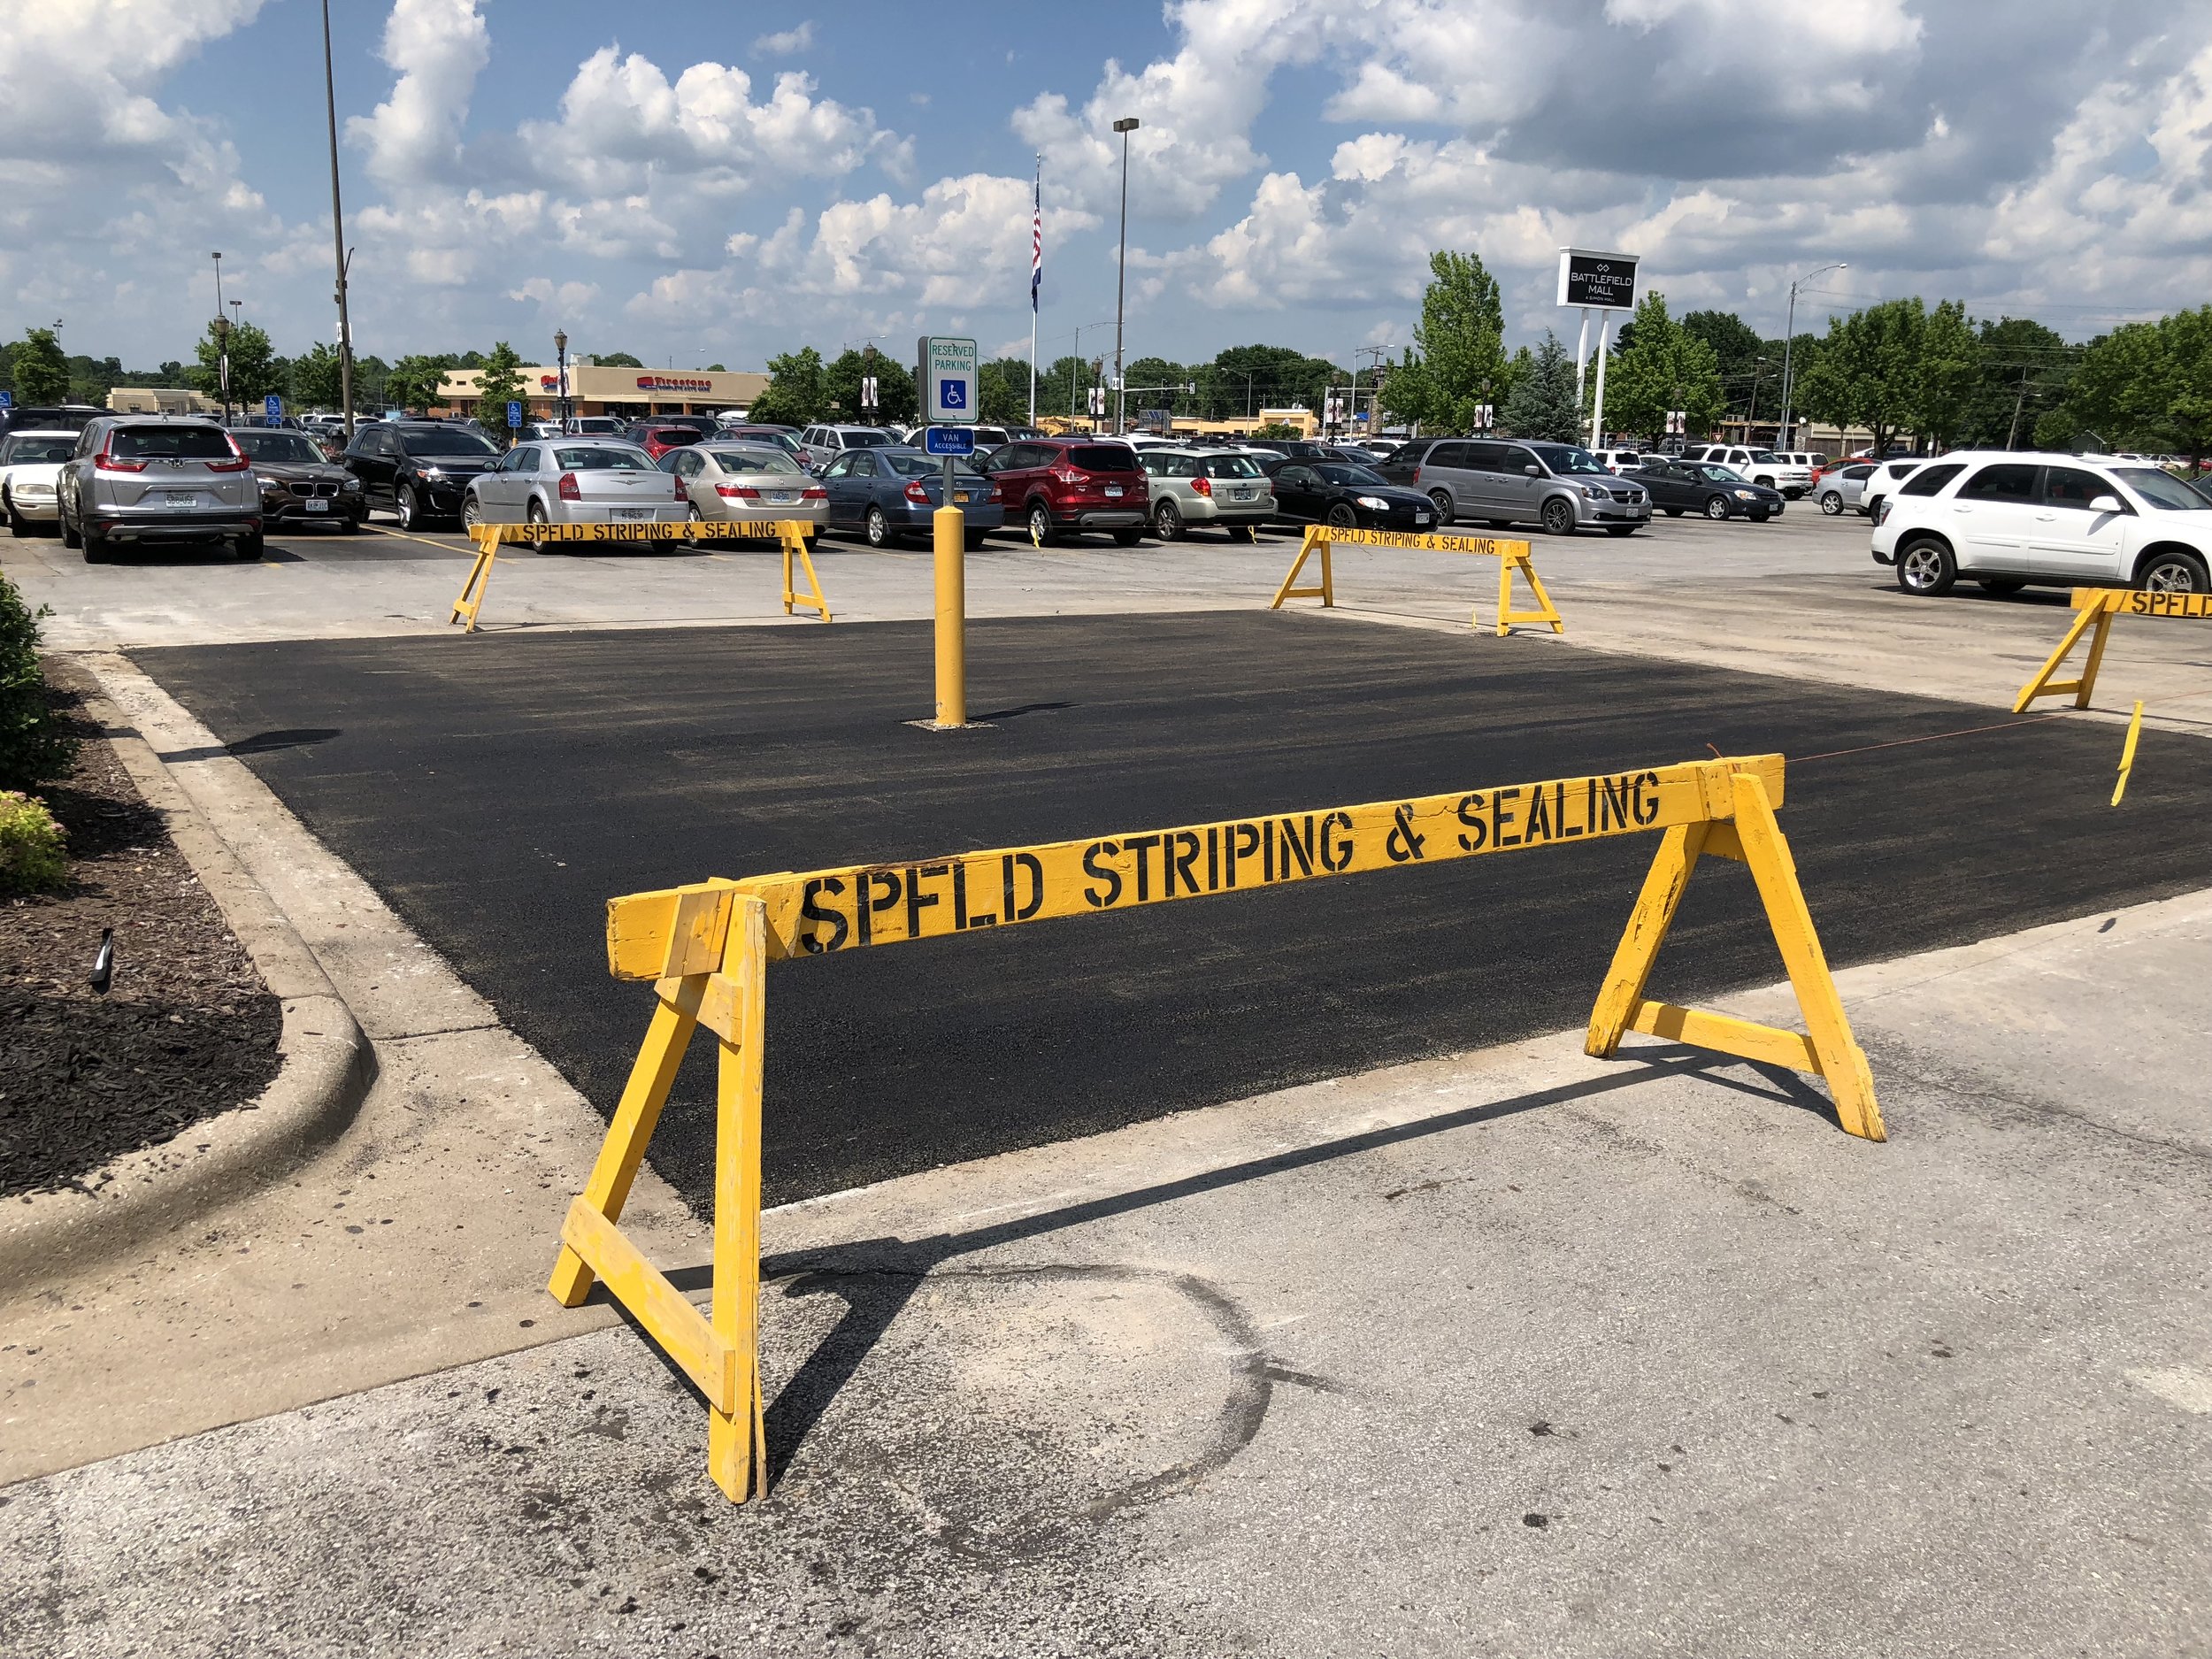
[186, 1031]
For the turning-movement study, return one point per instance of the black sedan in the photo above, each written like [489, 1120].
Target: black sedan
[1347, 495]
[299, 484]
[1680, 487]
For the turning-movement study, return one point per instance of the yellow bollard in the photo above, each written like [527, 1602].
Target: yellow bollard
[952, 615]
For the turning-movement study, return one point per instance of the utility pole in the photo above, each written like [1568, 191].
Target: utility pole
[222, 339]
[1789, 340]
[338, 235]
[1124, 126]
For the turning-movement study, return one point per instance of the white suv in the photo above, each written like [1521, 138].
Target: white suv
[1761, 467]
[2007, 519]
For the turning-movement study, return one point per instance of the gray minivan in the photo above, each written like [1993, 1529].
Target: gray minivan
[1561, 487]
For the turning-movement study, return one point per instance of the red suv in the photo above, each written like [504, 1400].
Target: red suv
[658, 440]
[1052, 486]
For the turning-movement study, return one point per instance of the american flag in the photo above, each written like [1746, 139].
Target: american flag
[1037, 246]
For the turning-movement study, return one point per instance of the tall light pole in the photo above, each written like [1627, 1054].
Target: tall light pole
[338, 235]
[222, 339]
[1789, 339]
[560, 373]
[1124, 126]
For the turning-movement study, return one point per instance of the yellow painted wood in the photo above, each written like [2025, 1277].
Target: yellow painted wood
[1842, 1061]
[1769, 1044]
[1623, 987]
[721, 1010]
[701, 922]
[2127, 752]
[1722, 841]
[1288, 590]
[736, 1449]
[683, 1333]
[792, 533]
[2039, 683]
[2087, 686]
[651, 1075]
[2095, 608]
[1545, 612]
[857, 905]
[480, 580]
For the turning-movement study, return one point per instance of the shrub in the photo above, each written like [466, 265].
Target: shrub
[31, 858]
[34, 746]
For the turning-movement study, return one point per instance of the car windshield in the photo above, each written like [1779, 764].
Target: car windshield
[762, 460]
[1345, 472]
[907, 466]
[2160, 489]
[1719, 475]
[36, 452]
[452, 441]
[674, 434]
[606, 460]
[1230, 466]
[278, 446]
[1566, 458]
[865, 439]
[1104, 457]
[171, 443]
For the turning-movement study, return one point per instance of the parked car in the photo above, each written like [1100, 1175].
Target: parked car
[1708, 487]
[1841, 487]
[1347, 495]
[1054, 486]
[594, 426]
[30, 462]
[1560, 486]
[2008, 519]
[989, 438]
[819, 446]
[419, 468]
[888, 494]
[1764, 467]
[1219, 488]
[1618, 461]
[299, 483]
[784, 438]
[47, 418]
[1883, 479]
[657, 438]
[140, 478]
[573, 480]
[727, 482]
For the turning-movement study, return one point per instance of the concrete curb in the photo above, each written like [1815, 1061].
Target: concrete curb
[326, 1068]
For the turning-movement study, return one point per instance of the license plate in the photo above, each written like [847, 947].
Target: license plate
[316, 503]
[632, 512]
[1240, 494]
[1420, 518]
[964, 495]
[781, 497]
[1113, 490]
[179, 497]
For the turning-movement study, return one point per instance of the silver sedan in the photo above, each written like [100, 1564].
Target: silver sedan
[733, 484]
[575, 480]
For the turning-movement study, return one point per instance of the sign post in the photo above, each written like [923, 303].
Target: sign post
[1605, 283]
[946, 375]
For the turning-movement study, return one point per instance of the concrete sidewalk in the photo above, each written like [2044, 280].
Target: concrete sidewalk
[1517, 1353]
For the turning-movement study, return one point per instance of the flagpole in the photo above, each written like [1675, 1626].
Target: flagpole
[1036, 256]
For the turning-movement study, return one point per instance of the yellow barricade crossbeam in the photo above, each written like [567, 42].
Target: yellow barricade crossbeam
[708, 946]
[1512, 557]
[2095, 608]
[793, 533]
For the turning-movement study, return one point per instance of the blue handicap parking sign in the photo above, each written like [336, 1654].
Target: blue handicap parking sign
[7, 400]
[952, 394]
[514, 414]
[272, 406]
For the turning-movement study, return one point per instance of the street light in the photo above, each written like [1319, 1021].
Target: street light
[338, 235]
[1789, 339]
[560, 372]
[1124, 126]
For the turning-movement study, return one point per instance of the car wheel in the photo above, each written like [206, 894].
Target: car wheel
[249, 547]
[1341, 516]
[1717, 506]
[877, 529]
[1127, 538]
[2174, 572]
[1831, 504]
[410, 512]
[1040, 530]
[69, 536]
[472, 515]
[1618, 530]
[18, 525]
[1441, 500]
[1672, 512]
[1925, 567]
[1167, 521]
[539, 542]
[1763, 483]
[95, 545]
[1559, 517]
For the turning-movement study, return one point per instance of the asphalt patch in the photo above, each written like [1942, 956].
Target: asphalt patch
[498, 788]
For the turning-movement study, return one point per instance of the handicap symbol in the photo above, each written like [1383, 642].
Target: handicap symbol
[952, 394]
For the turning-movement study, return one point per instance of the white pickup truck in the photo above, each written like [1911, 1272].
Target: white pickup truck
[1761, 467]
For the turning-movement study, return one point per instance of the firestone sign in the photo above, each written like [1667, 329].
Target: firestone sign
[672, 383]
[1605, 281]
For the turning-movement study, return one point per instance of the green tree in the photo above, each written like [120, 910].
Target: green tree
[1866, 371]
[1244, 379]
[1948, 373]
[795, 394]
[2148, 386]
[716, 368]
[618, 360]
[1461, 338]
[1157, 383]
[1749, 366]
[840, 381]
[1664, 366]
[253, 366]
[316, 380]
[41, 372]
[413, 383]
[498, 384]
[1003, 391]
[1542, 403]
[2022, 374]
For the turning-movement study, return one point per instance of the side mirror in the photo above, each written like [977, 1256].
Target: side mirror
[1534, 471]
[2106, 504]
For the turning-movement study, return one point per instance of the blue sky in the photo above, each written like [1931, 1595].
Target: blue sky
[678, 181]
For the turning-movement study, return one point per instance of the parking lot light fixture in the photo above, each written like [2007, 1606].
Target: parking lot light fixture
[1789, 339]
[1124, 126]
[560, 374]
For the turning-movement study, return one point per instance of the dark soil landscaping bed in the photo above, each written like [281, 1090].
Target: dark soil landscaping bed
[186, 1029]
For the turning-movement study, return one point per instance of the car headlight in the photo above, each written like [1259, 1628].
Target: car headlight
[349, 482]
[266, 483]
[1592, 491]
[1373, 504]
[434, 471]
[1745, 494]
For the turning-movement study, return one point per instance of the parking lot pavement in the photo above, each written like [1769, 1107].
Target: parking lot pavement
[497, 790]
[1513, 1353]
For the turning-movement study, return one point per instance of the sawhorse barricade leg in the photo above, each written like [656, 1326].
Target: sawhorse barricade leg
[1545, 612]
[1826, 1048]
[480, 577]
[793, 535]
[1317, 539]
[2044, 685]
[717, 976]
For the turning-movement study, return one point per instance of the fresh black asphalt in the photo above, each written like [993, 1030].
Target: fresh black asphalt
[498, 790]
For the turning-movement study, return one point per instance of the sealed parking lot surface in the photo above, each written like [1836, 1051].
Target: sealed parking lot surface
[497, 790]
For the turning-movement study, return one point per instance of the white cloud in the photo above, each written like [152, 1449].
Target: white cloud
[785, 43]
[439, 47]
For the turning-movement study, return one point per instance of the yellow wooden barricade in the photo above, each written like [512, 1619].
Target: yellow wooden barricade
[708, 949]
[792, 533]
[1511, 556]
[2096, 607]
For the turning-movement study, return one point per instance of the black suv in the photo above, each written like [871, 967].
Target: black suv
[47, 418]
[419, 468]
